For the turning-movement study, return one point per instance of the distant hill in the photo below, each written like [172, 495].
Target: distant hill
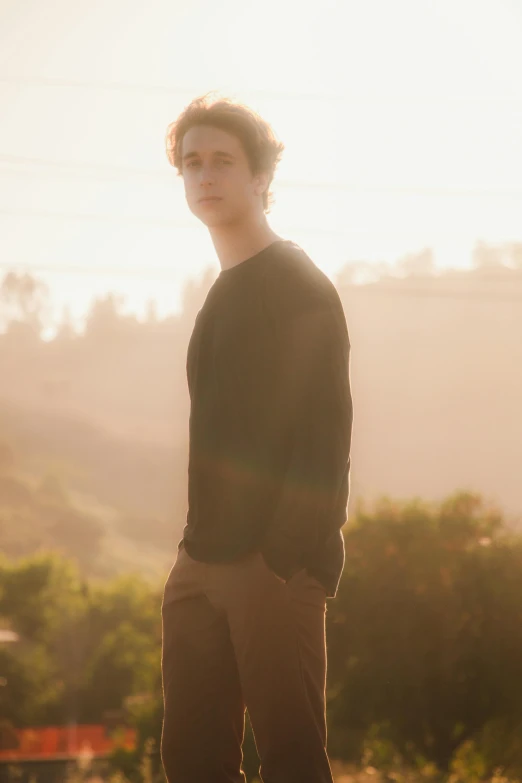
[139, 478]
[436, 371]
[110, 504]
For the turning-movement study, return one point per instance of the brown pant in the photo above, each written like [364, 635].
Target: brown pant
[236, 637]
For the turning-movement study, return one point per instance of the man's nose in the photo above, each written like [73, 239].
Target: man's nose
[206, 175]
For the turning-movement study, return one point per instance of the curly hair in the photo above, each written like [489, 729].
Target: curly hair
[261, 147]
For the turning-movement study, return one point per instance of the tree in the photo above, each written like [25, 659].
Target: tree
[514, 254]
[25, 299]
[425, 635]
[84, 648]
[417, 264]
[487, 256]
[103, 319]
[66, 332]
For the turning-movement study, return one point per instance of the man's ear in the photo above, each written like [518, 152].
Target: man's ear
[261, 183]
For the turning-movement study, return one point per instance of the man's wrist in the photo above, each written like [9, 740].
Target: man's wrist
[282, 569]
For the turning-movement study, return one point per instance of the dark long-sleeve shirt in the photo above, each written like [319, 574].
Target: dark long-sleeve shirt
[270, 418]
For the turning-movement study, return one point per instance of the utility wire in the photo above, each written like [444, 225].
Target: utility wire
[170, 176]
[175, 224]
[141, 219]
[287, 95]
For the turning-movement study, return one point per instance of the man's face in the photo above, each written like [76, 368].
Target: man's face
[214, 164]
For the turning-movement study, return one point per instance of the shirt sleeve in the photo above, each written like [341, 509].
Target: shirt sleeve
[314, 403]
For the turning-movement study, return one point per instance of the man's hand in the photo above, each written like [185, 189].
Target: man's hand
[280, 578]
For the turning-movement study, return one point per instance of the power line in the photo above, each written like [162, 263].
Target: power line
[173, 224]
[172, 89]
[134, 219]
[167, 89]
[160, 222]
[92, 170]
[20, 160]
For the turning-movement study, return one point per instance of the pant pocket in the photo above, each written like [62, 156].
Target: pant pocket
[270, 570]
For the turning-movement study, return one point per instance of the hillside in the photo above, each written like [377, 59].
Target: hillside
[436, 371]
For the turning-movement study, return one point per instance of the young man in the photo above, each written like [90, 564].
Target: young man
[268, 478]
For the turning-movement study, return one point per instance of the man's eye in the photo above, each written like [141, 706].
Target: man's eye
[192, 163]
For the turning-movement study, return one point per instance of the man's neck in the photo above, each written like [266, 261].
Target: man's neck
[234, 244]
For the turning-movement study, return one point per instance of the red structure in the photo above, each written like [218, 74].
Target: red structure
[46, 743]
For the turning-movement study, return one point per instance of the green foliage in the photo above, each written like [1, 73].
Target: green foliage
[425, 633]
[495, 749]
[40, 515]
[468, 764]
[84, 649]
[29, 692]
[105, 502]
[379, 751]
[424, 647]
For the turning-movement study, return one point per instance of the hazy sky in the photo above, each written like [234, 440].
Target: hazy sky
[402, 123]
